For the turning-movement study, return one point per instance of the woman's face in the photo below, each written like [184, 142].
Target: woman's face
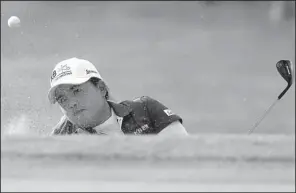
[81, 103]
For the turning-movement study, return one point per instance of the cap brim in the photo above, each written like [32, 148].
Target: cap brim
[76, 81]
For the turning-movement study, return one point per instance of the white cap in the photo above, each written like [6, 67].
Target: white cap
[72, 71]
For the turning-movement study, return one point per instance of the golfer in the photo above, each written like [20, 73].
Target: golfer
[88, 106]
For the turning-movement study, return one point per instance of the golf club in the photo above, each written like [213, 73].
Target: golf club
[284, 67]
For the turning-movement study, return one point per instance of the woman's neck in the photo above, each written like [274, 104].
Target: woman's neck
[102, 116]
[99, 118]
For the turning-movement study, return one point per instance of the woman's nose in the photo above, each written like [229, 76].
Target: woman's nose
[72, 104]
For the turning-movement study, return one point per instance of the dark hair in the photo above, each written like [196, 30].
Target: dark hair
[95, 81]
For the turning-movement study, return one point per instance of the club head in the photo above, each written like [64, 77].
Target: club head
[284, 67]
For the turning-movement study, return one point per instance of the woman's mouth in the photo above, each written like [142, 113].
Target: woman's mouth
[78, 112]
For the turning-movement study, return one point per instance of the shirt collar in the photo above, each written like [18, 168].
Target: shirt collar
[110, 126]
[120, 109]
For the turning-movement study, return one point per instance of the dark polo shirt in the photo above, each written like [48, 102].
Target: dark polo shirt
[143, 115]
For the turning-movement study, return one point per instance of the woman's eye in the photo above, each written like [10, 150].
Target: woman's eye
[75, 91]
[62, 100]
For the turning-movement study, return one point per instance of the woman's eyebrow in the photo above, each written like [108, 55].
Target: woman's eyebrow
[73, 87]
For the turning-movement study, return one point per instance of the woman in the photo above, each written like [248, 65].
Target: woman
[85, 101]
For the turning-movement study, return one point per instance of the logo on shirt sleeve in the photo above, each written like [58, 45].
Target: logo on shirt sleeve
[168, 112]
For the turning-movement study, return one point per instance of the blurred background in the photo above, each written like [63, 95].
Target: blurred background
[213, 63]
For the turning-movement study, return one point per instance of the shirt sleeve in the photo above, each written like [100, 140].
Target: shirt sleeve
[160, 115]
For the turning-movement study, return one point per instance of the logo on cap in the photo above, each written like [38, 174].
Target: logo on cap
[63, 68]
[91, 71]
[62, 71]
[54, 73]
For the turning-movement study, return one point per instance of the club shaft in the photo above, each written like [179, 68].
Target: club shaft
[263, 116]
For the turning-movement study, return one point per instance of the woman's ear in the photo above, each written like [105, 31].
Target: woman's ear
[103, 88]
